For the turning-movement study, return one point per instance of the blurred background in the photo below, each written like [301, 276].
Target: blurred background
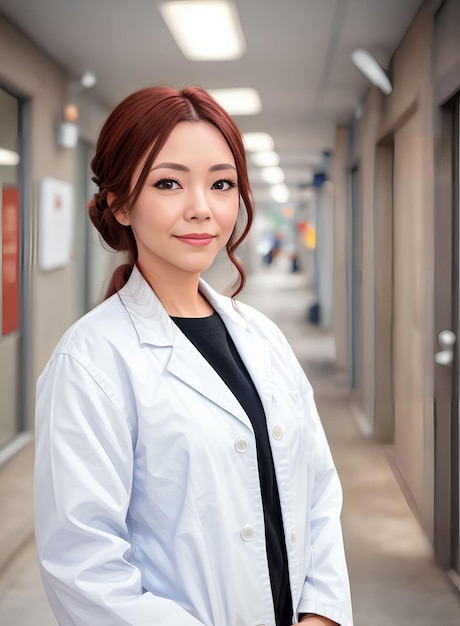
[350, 115]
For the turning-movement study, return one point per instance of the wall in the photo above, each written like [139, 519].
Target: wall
[32, 76]
[408, 116]
[406, 357]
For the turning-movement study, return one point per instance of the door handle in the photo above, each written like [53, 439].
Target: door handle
[446, 339]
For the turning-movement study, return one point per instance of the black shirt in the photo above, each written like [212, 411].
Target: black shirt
[210, 336]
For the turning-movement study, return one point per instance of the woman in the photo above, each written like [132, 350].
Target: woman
[182, 474]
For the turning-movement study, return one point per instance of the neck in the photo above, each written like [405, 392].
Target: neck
[180, 296]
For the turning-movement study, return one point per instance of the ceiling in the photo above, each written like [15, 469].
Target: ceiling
[298, 59]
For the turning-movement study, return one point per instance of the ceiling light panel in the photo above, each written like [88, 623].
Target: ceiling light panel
[238, 101]
[255, 142]
[265, 158]
[279, 193]
[8, 157]
[205, 30]
[272, 175]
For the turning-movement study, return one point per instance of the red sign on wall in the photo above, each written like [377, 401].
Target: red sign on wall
[10, 259]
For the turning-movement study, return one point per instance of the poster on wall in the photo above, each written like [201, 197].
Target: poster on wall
[10, 259]
[55, 223]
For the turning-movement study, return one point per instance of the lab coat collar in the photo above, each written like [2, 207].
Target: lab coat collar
[151, 321]
[154, 326]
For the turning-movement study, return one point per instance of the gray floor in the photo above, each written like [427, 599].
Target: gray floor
[394, 579]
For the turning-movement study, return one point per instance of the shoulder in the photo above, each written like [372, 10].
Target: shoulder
[94, 353]
[257, 321]
[253, 321]
[103, 325]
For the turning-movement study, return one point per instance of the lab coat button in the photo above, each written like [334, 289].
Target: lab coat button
[277, 433]
[241, 444]
[293, 537]
[247, 533]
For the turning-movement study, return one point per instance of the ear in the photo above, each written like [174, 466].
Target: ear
[121, 216]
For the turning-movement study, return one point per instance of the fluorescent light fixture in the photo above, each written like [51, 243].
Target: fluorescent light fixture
[8, 157]
[265, 158]
[279, 193]
[88, 79]
[205, 30]
[366, 63]
[255, 142]
[238, 101]
[272, 175]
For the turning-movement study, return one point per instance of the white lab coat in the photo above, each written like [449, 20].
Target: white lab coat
[147, 498]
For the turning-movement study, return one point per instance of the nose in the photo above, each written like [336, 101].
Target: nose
[198, 206]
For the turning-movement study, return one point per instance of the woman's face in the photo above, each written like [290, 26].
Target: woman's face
[188, 206]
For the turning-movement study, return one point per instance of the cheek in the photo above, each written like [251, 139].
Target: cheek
[146, 212]
[231, 216]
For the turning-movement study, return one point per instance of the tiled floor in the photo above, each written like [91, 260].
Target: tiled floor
[394, 579]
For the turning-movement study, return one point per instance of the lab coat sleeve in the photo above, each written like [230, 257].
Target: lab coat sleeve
[326, 590]
[83, 475]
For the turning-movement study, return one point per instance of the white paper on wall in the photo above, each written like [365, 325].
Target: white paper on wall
[56, 222]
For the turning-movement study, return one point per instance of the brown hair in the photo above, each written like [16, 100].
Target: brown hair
[143, 121]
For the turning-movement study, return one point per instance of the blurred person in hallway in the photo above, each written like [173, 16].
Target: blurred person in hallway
[182, 473]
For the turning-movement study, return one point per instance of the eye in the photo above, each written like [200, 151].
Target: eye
[223, 184]
[167, 183]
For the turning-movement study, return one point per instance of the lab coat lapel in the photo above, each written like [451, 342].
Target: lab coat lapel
[256, 357]
[187, 364]
[253, 350]
[183, 360]
[180, 357]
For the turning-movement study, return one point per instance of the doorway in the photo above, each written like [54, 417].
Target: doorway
[384, 291]
[354, 280]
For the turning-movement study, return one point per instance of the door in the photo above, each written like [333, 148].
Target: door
[447, 312]
[354, 280]
[455, 446]
[11, 417]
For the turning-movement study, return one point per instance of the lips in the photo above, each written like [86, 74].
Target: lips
[196, 239]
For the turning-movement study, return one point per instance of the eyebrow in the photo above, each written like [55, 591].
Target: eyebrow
[183, 168]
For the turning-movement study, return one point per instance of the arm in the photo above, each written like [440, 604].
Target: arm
[316, 620]
[326, 591]
[83, 479]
